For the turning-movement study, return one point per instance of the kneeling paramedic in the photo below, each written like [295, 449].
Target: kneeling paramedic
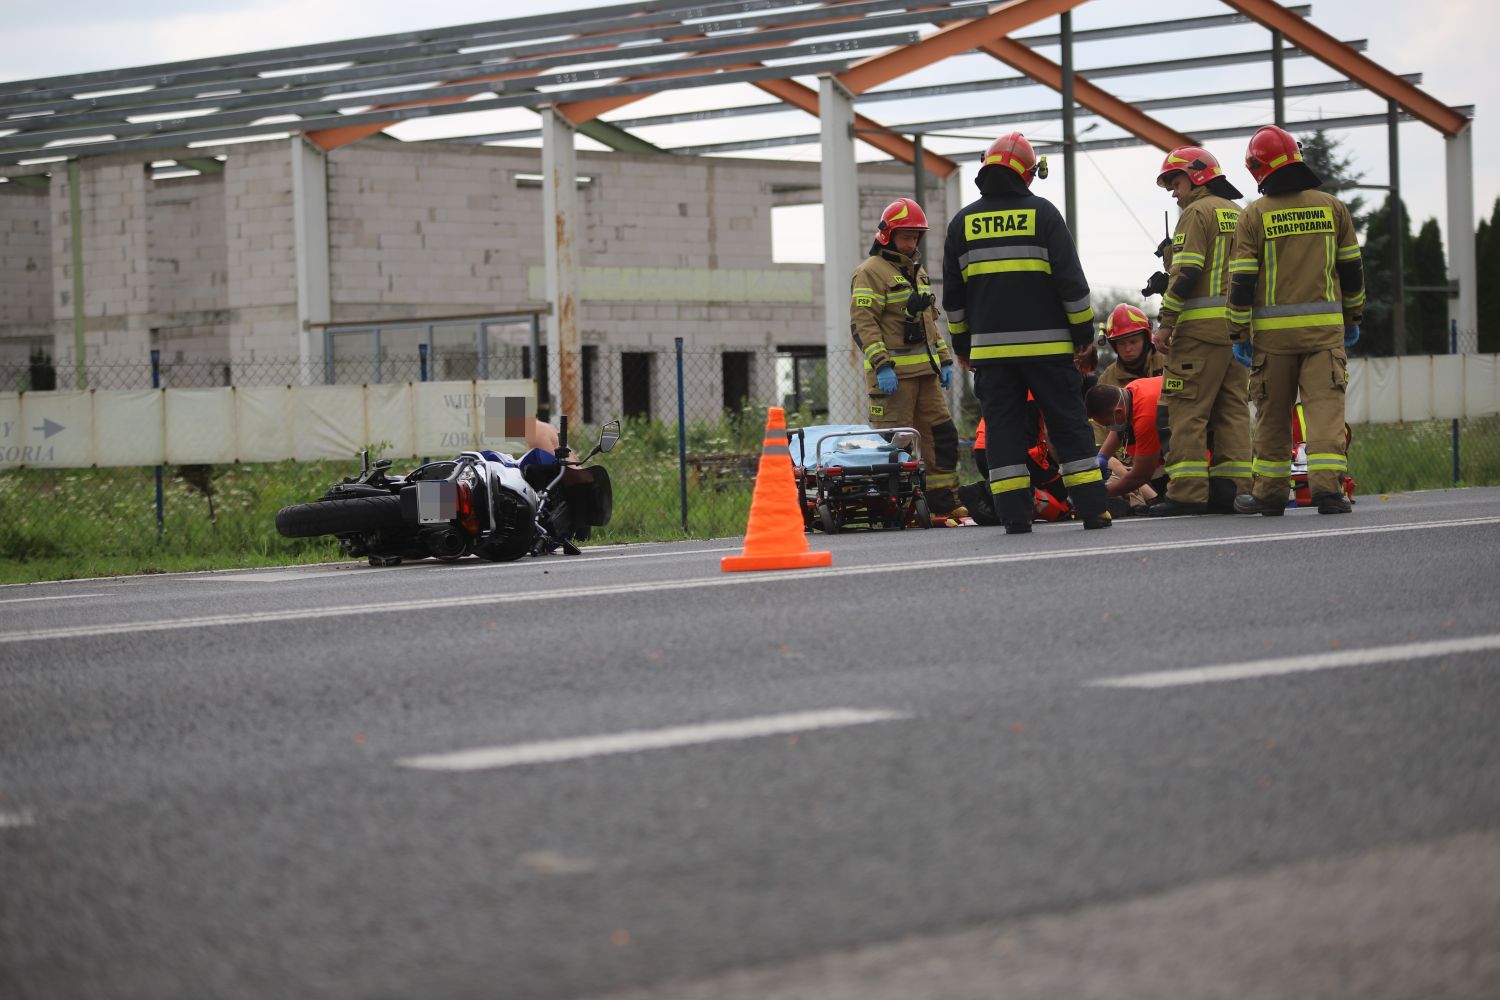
[893, 320]
[1018, 311]
[1133, 415]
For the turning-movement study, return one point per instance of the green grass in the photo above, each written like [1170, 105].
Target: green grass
[68, 523]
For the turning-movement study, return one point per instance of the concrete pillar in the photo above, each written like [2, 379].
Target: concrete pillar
[310, 235]
[1461, 257]
[1278, 80]
[562, 224]
[100, 205]
[1070, 132]
[1398, 230]
[841, 249]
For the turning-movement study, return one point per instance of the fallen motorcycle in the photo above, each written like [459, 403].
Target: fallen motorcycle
[481, 503]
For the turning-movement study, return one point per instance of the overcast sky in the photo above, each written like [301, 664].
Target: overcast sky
[1120, 211]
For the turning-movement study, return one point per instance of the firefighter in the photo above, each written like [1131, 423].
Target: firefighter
[1128, 333]
[893, 319]
[1297, 293]
[1204, 390]
[1018, 313]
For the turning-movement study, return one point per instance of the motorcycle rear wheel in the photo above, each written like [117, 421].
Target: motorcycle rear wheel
[344, 516]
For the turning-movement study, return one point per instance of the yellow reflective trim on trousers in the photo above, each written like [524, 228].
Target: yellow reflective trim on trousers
[1190, 470]
[1327, 467]
[1323, 456]
[1081, 317]
[1295, 322]
[958, 327]
[1007, 485]
[1273, 470]
[1022, 350]
[1212, 312]
[1231, 470]
[1080, 478]
[1003, 266]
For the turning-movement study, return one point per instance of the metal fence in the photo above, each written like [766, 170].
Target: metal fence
[671, 477]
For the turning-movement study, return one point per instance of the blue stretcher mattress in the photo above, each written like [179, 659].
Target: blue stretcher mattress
[863, 447]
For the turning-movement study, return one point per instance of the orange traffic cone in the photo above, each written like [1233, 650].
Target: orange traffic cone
[774, 538]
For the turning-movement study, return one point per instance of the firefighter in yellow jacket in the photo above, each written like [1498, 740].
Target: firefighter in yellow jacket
[893, 319]
[1204, 391]
[1297, 289]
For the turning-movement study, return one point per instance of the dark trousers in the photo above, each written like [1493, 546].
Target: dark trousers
[1058, 390]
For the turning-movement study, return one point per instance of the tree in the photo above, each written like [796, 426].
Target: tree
[1487, 254]
[1320, 151]
[1423, 264]
[1427, 312]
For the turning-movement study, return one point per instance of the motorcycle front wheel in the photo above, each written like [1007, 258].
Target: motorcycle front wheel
[343, 516]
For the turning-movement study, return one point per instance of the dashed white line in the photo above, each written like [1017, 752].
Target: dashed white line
[553, 751]
[52, 597]
[1331, 660]
[1155, 547]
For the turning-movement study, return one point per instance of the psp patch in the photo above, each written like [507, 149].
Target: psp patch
[1172, 384]
[877, 410]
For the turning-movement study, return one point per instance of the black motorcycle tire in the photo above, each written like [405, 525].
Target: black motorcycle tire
[343, 516]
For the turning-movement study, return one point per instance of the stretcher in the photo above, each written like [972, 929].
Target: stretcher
[854, 475]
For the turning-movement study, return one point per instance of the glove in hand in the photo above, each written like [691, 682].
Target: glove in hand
[886, 379]
[1156, 284]
[945, 375]
[919, 302]
[1241, 352]
[1351, 335]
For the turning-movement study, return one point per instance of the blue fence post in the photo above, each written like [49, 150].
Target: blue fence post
[1453, 349]
[422, 375]
[681, 438]
[156, 384]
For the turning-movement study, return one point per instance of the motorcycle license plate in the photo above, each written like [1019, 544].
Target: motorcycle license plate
[437, 502]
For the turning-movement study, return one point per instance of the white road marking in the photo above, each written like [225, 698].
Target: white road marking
[1155, 547]
[277, 576]
[16, 820]
[53, 597]
[1301, 664]
[552, 751]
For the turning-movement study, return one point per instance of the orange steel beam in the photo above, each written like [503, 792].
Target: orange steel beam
[872, 132]
[1323, 46]
[953, 40]
[1105, 105]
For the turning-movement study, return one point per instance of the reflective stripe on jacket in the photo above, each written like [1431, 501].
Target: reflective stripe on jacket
[877, 317]
[1291, 245]
[1013, 289]
[1203, 239]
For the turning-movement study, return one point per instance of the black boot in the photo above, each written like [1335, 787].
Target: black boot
[1333, 503]
[1220, 495]
[1018, 527]
[1176, 508]
[1249, 503]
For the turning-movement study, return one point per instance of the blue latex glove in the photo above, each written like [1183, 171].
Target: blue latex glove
[945, 375]
[886, 379]
[1241, 351]
[1351, 335]
[1104, 465]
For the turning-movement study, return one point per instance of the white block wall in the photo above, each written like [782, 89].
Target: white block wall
[25, 271]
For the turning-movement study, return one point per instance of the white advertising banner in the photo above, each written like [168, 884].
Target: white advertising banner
[200, 426]
[56, 429]
[445, 418]
[328, 421]
[1382, 391]
[1481, 384]
[265, 426]
[129, 428]
[388, 418]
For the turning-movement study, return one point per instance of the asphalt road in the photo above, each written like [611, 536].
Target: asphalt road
[1206, 757]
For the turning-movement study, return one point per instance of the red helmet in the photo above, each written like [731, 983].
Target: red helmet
[1270, 149]
[1013, 151]
[903, 213]
[1125, 320]
[1198, 163]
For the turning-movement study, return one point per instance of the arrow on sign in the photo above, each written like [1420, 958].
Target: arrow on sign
[48, 428]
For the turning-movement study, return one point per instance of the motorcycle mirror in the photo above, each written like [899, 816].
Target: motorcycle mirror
[608, 435]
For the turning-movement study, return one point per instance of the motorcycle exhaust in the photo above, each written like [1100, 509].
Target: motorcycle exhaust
[444, 543]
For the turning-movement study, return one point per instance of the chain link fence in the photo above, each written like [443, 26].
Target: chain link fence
[694, 480]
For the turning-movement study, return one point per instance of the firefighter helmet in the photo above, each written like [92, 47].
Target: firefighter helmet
[1270, 149]
[1125, 320]
[903, 213]
[1199, 164]
[1013, 151]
